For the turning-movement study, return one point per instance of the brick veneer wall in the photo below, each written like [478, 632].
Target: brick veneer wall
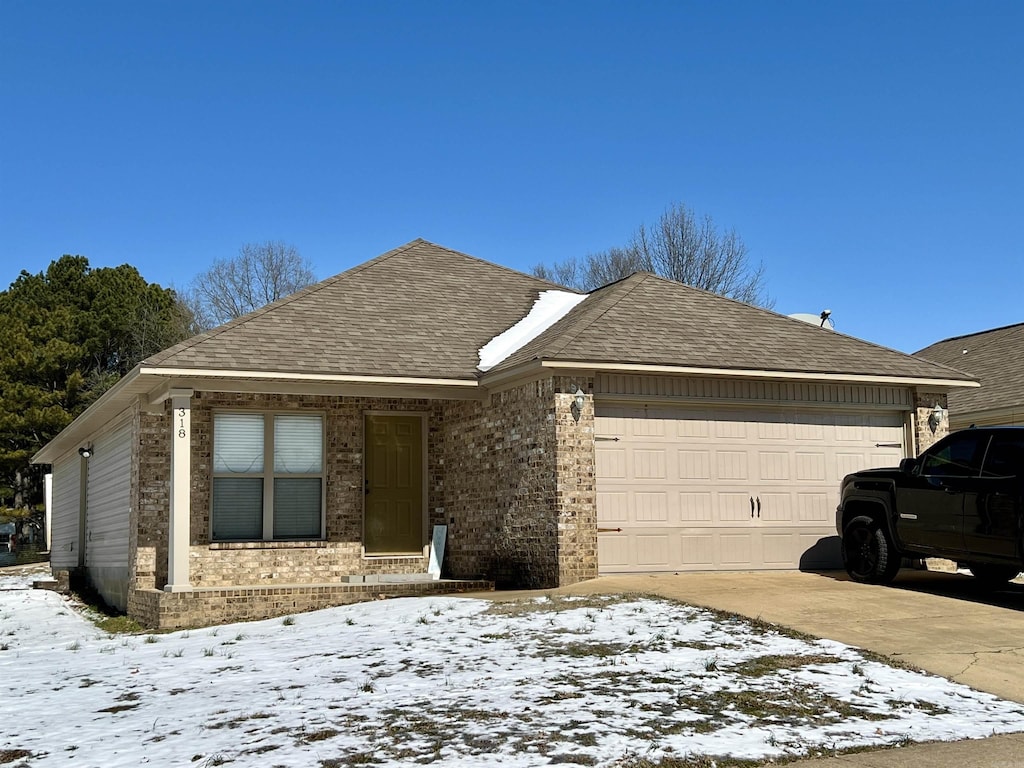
[213, 564]
[523, 512]
[512, 477]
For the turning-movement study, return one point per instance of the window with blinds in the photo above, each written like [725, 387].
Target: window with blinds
[267, 476]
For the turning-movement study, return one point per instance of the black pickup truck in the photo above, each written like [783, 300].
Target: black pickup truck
[962, 499]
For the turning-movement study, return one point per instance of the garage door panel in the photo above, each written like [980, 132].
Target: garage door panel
[648, 464]
[652, 550]
[613, 552]
[610, 463]
[779, 550]
[774, 465]
[813, 507]
[733, 507]
[697, 550]
[694, 425]
[612, 507]
[693, 465]
[810, 466]
[695, 507]
[681, 490]
[651, 507]
[776, 507]
[732, 465]
[736, 549]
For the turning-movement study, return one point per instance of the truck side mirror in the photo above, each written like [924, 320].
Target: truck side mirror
[909, 466]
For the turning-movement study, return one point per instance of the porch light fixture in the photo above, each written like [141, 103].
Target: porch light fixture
[85, 451]
[935, 417]
[578, 401]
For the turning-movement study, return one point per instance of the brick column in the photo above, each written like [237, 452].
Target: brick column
[926, 431]
[179, 534]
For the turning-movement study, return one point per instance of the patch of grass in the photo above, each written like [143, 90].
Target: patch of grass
[10, 755]
[766, 665]
[118, 708]
[554, 604]
[321, 735]
[580, 650]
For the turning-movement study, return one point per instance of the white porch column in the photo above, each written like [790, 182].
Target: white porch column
[179, 534]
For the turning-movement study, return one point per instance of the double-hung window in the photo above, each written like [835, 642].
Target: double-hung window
[267, 476]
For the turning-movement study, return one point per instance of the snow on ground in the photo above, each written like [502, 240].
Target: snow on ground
[463, 682]
[550, 307]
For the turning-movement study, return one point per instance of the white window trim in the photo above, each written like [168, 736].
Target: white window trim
[268, 474]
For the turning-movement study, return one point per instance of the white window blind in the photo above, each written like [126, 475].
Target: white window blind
[298, 444]
[238, 443]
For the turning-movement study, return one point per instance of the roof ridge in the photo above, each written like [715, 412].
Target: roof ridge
[604, 305]
[969, 335]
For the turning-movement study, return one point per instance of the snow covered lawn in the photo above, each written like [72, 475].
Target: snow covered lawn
[588, 681]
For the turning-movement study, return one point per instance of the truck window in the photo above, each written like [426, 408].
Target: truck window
[960, 456]
[1005, 456]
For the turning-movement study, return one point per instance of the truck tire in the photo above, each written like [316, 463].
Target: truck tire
[993, 576]
[868, 554]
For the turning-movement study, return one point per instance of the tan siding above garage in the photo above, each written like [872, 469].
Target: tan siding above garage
[806, 394]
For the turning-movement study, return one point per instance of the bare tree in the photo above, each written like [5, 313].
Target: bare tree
[260, 274]
[679, 246]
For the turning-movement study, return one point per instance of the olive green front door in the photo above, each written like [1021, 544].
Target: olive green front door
[393, 514]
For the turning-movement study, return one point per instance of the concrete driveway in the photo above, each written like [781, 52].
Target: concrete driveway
[939, 622]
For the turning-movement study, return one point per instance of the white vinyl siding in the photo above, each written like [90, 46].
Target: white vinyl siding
[729, 488]
[108, 498]
[268, 477]
[66, 501]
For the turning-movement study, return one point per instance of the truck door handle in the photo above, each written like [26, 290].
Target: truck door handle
[758, 507]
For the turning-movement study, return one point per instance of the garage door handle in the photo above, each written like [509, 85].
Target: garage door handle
[751, 507]
[759, 507]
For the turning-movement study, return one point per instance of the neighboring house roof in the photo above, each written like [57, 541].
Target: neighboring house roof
[650, 320]
[995, 357]
[417, 311]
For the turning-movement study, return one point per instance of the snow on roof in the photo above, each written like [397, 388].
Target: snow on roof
[550, 307]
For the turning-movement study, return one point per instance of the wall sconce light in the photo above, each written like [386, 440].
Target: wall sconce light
[578, 400]
[935, 417]
[85, 451]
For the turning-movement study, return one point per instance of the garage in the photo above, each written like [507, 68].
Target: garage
[730, 487]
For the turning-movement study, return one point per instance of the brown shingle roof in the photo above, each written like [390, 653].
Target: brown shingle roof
[995, 357]
[646, 319]
[417, 311]
[425, 311]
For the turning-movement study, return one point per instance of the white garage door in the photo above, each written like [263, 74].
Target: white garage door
[729, 489]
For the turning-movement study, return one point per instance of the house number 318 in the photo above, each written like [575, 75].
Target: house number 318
[181, 422]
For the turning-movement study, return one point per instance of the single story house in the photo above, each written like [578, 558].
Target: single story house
[274, 463]
[996, 359]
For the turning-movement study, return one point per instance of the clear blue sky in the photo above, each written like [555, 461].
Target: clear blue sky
[871, 154]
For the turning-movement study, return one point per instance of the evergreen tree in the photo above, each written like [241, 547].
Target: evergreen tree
[66, 336]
